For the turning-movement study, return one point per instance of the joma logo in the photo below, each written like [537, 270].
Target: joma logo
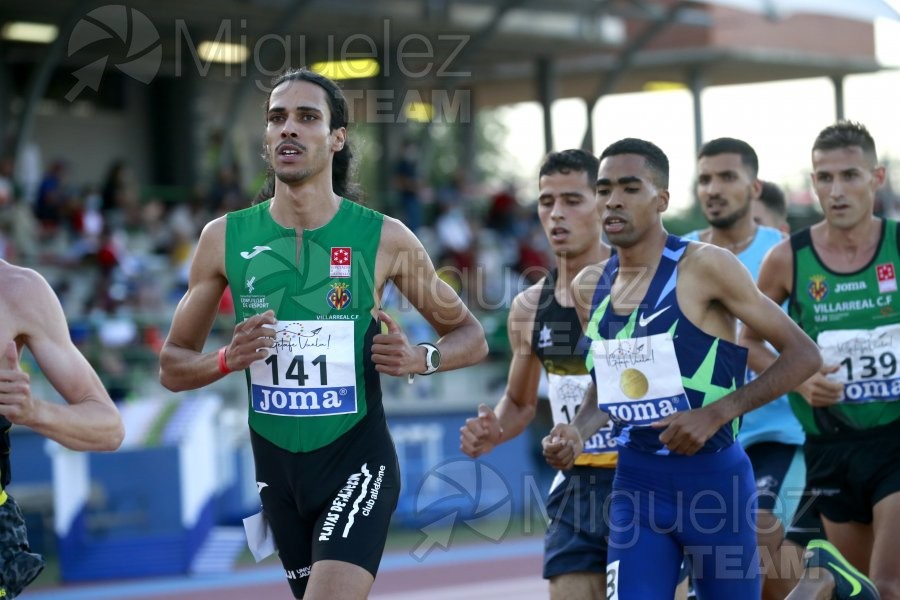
[850, 286]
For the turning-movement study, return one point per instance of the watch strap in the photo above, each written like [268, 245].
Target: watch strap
[430, 351]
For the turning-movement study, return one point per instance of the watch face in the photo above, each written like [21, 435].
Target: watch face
[435, 359]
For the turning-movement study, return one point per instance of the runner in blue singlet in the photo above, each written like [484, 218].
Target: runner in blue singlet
[661, 317]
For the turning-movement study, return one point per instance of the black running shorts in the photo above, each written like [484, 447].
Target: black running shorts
[334, 503]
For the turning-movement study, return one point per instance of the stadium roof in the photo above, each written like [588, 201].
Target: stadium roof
[495, 47]
[494, 51]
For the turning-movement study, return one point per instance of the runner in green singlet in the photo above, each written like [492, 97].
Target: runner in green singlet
[840, 280]
[307, 269]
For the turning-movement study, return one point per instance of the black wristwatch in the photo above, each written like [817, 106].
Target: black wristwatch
[432, 358]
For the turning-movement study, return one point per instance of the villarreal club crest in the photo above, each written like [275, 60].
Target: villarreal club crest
[339, 296]
[818, 287]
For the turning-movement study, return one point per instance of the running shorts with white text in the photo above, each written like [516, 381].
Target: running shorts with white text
[331, 503]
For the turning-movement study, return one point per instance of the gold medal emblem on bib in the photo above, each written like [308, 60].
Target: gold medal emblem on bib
[633, 383]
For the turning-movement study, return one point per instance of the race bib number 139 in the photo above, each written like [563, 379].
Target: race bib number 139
[310, 371]
[867, 362]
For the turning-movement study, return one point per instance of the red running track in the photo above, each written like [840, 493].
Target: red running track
[480, 572]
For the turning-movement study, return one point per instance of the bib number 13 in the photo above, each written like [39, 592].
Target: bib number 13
[296, 370]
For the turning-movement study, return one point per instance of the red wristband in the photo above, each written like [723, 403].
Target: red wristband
[223, 364]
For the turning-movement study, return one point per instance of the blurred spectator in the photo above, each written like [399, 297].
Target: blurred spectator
[534, 260]
[108, 253]
[455, 235]
[7, 250]
[18, 227]
[108, 291]
[886, 199]
[52, 196]
[118, 180]
[8, 191]
[116, 263]
[408, 186]
[115, 334]
[7, 198]
[92, 217]
[28, 172]
[502, 212]
[453, 192]
[226, 194]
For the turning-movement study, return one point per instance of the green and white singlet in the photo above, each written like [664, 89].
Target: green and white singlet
[854, 319]
[319, 380]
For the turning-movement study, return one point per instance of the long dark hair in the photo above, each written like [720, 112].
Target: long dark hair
[343, 165]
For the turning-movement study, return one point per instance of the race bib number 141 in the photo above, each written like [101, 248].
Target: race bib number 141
[310, 371]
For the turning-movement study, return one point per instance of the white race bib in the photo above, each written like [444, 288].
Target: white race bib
[867, 362]
[311, 371]
[612, 581]
[566, 393]
[638, 380]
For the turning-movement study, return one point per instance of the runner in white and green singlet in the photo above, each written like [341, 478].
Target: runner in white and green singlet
[839, 278]
[307, 268]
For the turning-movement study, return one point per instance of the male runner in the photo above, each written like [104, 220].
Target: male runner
[727, 185]
[30, 315]
[770, 208]
[307, 269]
[839, 277]
[544, 330]
[661, 314]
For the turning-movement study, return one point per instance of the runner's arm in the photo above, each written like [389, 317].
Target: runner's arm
[589, 418]
[566, 440]
[182, 363]
[89, 420]
[517, 406]
[774, 281]
[798, 356]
